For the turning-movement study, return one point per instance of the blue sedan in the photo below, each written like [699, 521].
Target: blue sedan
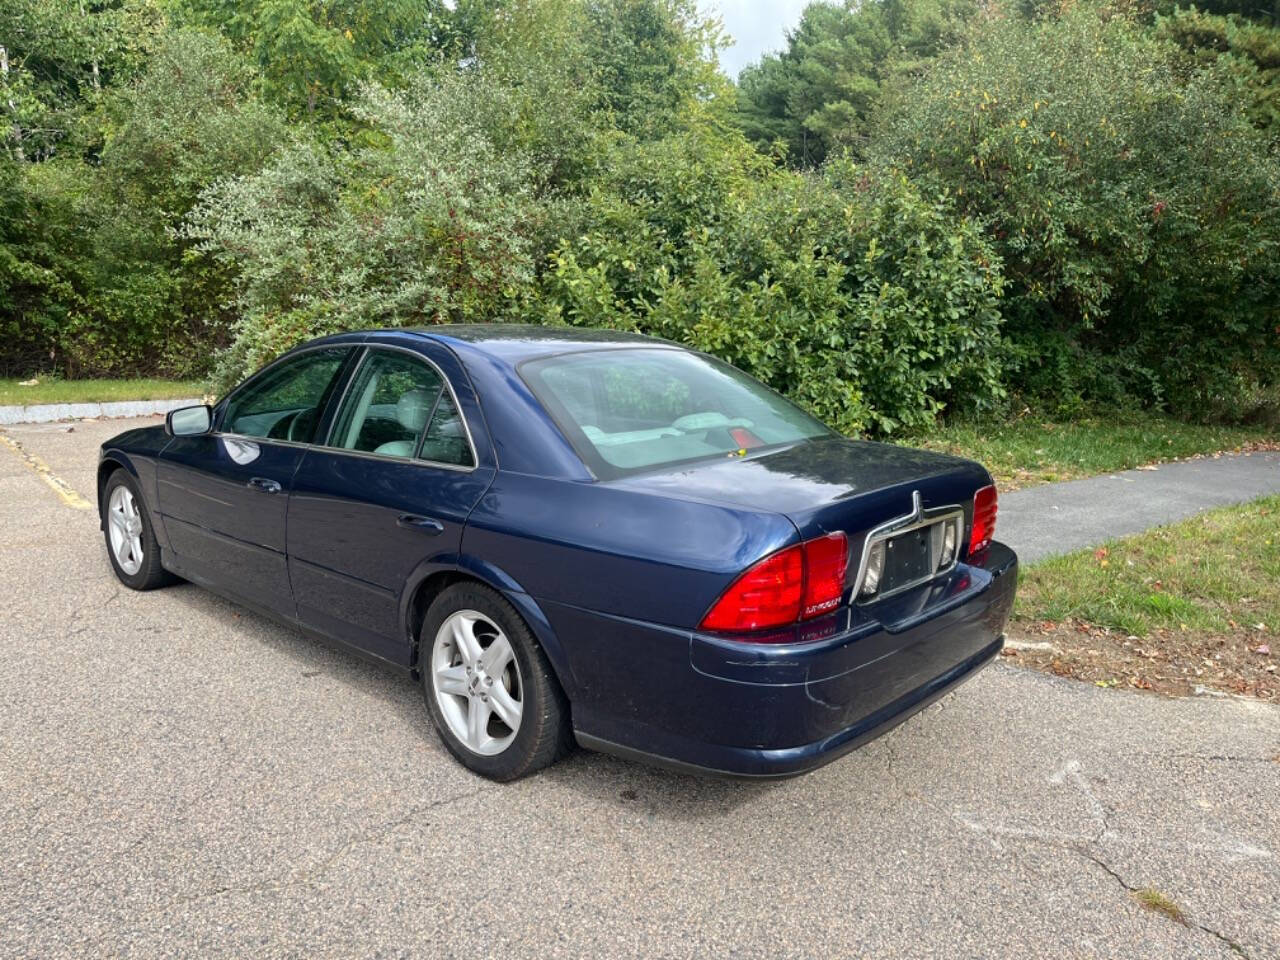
[573, 536]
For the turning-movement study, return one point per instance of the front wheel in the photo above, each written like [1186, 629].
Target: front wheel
[491, 692]
[131, 541]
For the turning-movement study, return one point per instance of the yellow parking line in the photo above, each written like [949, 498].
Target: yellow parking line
[55, 482]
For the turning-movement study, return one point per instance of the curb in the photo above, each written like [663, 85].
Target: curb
[49, 412]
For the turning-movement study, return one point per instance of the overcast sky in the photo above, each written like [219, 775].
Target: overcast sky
[757, 26]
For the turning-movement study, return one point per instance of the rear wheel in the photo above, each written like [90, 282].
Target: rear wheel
[131, 540]
[492, 695]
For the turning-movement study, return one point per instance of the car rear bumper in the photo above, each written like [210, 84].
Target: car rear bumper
[707, 704]
[752, 763]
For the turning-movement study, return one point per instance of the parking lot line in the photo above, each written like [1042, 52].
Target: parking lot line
[59, 486]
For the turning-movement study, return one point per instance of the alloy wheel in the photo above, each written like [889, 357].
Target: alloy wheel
[477, 683]
[124, 524]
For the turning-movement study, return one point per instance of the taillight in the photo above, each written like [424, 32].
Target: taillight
[825, 561]
[766, 595]
[800, 582]
[984, 519]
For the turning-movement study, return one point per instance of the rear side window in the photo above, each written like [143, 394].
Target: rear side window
[635, 409]
[446, 440]
[399, 406]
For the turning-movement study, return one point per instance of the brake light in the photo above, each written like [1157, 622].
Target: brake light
[984, 519]
[825, 561]
[797, 583]
[766, 595]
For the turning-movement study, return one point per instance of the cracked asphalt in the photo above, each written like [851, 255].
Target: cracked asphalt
[179, 777]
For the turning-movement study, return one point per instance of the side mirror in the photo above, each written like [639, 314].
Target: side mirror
[188, 421]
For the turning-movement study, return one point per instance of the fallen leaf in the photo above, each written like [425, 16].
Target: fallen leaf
[1263, 649]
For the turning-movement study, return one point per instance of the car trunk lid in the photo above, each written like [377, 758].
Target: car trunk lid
[852, 487]
[826, 485]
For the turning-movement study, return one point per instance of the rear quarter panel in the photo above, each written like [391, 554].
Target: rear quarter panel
[589, 563]
[616, 551]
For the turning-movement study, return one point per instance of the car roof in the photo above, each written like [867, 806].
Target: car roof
[516, 342]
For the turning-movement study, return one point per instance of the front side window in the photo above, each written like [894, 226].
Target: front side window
[287, 401]
[395, 403]
[635, 409]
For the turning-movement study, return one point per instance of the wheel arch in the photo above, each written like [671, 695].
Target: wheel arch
[109, 464]
[430, 580]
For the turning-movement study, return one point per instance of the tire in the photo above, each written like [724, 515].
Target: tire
[471, 684]
[135, 532]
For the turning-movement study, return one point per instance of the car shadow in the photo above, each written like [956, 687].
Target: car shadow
[661, 794]
[625, 784]
[313, 656]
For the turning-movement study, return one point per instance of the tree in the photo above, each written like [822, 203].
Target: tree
[56, 59]
[655, 62]
[312, 55]
[1247, 50]
[88, 256]
[823, 90]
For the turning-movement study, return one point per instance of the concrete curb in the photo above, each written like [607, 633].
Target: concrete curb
[49, 412]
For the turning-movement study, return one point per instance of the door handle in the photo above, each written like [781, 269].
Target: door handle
[263, 484]
[427, 525]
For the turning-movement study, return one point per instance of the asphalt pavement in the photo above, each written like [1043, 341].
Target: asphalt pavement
[1061, 517]
[179, 777]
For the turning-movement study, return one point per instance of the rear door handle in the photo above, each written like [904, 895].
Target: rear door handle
[263, 484]
[427, 525]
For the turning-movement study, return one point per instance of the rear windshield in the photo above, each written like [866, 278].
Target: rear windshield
[636, 409]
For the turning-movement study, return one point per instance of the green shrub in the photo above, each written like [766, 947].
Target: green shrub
[99, 281]
[1136, 209]
[867, 302]
[424, 220]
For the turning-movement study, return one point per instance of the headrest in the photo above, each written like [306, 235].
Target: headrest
[413, 408]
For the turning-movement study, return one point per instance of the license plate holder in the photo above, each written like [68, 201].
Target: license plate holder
[908, 559]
